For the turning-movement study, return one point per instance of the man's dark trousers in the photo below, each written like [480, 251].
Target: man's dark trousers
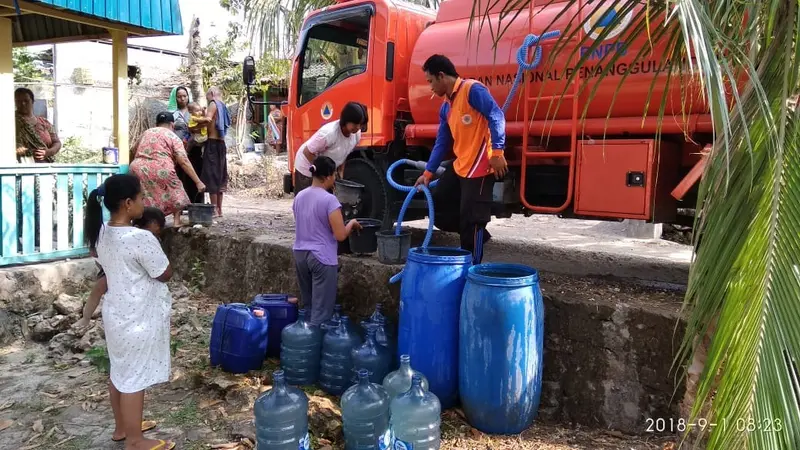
[475, 208]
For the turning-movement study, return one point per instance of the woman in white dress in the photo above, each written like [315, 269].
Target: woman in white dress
[137, 305]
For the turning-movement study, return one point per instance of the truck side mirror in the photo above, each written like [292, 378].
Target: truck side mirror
[249, 71]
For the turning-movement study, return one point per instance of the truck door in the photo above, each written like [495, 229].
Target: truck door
[332, 68]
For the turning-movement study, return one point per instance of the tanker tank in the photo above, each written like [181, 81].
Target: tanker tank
[476, 58]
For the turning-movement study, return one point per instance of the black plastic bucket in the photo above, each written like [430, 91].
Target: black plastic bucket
[201, 214]
[393, 248]
[348, 192]
[365, 240]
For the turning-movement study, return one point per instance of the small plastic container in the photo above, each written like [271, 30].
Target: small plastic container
[201, 214]
[393, 248]
[259, 338]
[365, 240]
[281, 312]
[238, 338]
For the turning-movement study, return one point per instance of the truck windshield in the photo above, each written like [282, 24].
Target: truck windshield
[333, 52]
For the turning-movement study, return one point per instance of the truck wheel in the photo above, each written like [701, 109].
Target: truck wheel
[374, 200]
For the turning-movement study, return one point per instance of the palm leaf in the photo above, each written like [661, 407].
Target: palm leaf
[274, 25]
[745, 278]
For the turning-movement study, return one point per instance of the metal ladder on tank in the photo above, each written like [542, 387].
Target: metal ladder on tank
[529, 98]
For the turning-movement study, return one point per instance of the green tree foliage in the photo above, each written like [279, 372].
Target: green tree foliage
[274, 25]
[27, 66]
[744, 284]
[221, 69]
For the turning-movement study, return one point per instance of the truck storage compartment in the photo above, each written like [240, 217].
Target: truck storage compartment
[626, 179]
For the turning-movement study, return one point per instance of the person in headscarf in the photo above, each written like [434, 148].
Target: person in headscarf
[215, 162]
[37, 140]
[178, 105]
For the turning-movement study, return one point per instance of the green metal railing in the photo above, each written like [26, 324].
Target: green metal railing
[42, 207]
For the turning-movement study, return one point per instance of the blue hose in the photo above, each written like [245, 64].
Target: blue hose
[412, 191]
[531, 40]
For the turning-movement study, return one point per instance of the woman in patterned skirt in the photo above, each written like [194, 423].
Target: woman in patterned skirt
[157, 153]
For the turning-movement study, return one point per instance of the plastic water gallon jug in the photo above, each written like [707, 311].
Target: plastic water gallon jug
[282, 417]
[236, 337]
[373, 357]
[373, 320]
[281, 314]
[399, 381]
[382, 338]
[336, 365]
[365, 416]
[300, 351]
[416, 419]
[333, 322]
[259, 338]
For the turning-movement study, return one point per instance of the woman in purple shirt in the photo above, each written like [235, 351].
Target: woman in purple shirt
[319, 224]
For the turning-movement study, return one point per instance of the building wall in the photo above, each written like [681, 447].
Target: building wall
[83, 96]
[85, 112]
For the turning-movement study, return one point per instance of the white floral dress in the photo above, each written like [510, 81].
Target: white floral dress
[136, 308]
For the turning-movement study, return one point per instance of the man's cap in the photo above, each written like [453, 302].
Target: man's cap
[165, 117]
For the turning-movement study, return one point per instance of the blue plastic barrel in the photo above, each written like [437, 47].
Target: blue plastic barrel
[235, 335]
[281, 313]
[500, 347]
[430, 298]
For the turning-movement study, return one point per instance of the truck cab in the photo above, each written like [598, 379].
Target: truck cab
[355, 51]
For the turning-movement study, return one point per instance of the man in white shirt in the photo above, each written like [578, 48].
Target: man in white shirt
[335, 140]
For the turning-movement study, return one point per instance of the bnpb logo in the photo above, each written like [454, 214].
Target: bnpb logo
[604, 18]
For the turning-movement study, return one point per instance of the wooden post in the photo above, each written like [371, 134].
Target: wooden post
[8, 140]
[119, 67]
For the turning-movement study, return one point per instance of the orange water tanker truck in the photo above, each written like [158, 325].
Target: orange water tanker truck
[611, 163]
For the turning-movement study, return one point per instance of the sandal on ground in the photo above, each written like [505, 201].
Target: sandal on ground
[147, 425]
[164, 445]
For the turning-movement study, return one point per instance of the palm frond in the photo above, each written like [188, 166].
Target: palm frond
[274, 25]
[745, 278]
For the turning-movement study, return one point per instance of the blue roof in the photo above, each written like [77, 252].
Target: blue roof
[159, 16]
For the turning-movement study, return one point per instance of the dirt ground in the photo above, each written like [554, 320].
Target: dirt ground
[54, 398]
[257, 190]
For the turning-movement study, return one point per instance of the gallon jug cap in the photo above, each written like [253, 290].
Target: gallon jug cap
[258, 312]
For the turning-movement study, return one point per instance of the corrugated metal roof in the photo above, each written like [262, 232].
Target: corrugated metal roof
[148, 17]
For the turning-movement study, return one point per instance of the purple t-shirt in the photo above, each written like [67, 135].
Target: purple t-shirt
[313, 232]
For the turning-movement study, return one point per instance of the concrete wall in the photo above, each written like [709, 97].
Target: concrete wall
[608, 347]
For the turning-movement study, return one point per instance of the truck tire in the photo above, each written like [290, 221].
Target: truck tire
[374, 201]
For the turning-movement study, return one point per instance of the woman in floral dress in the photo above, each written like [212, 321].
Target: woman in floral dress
[157, 153]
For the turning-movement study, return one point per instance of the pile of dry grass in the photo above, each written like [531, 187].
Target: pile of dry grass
[263, 178]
